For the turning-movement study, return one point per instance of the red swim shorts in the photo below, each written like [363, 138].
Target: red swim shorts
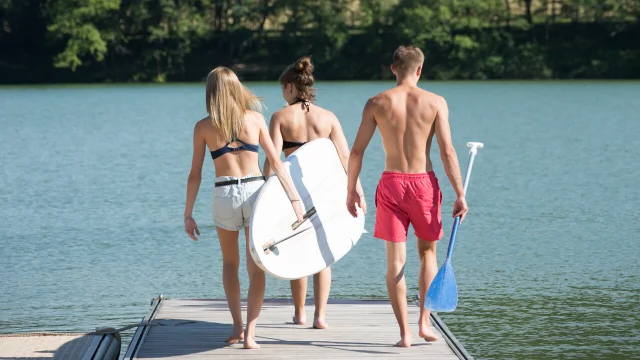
[403, 199]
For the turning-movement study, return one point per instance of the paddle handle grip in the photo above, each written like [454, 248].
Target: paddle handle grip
[473, 151]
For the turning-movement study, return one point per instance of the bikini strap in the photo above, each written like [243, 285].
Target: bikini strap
[304, 102]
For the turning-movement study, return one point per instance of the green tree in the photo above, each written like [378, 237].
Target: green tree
[167, 40]
[86, 27]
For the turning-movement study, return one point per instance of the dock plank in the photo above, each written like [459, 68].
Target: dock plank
[197, 328]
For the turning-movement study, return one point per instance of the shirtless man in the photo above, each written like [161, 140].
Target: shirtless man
[408, 191]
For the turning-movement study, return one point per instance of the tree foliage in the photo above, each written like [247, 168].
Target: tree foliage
[180, 40]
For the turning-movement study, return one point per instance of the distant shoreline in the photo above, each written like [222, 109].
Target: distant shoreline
[318, 82]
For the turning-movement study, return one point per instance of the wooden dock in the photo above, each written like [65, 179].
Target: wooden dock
[197, 328]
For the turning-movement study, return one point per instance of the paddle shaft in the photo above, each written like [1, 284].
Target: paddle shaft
[456, 222]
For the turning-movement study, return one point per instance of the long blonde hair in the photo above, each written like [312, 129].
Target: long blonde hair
[228, 102]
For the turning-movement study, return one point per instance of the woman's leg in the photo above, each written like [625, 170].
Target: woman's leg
[321, 288]
[230, 264]
[255, 297]
[299, 295]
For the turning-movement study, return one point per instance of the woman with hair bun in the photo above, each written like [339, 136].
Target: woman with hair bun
[299, 122]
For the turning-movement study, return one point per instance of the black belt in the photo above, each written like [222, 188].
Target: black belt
[240, 181]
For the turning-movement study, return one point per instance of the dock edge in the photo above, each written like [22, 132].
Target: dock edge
[454, 344]
[142, 331]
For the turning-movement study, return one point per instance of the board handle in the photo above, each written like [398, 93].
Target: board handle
[307, 215]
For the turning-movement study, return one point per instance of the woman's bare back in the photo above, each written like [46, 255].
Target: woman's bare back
[299, 125]
[233, 163]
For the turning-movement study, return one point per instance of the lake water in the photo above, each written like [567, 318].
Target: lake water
[92, 187]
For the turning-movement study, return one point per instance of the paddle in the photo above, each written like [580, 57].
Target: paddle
[443, 293]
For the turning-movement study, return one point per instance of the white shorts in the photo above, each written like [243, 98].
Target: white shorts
[233, 204]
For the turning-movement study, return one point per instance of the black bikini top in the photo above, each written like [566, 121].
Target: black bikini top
[291, 144]
[226, 149]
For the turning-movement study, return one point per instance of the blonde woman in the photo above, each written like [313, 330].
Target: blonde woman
[295, 125]
[231, 133]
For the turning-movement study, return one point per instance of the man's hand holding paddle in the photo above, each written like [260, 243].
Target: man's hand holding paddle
[460, 208]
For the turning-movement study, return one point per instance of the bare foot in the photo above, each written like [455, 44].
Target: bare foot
[319, 323]
[249, 343]
[300, 320]
[427, 334]
[404, 342]
[236, 335]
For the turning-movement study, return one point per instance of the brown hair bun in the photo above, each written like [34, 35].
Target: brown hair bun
[300, 74]
[304, 65]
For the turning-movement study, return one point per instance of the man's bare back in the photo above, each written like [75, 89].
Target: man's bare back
[408, 192]
[405, 116]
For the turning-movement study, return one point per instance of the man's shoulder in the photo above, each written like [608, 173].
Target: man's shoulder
[430, 99]
[380, 99]
[429, 94]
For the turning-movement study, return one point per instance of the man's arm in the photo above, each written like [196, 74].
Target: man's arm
[342, 147]
[447, 151]
[449, 157]
[365, 133]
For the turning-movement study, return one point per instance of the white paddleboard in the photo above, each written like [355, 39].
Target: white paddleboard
[329, 232]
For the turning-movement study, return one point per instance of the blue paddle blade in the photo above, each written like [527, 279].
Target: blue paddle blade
[442, 295]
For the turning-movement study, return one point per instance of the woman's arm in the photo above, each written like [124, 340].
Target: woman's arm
[278, 168]
[342, 147]
[276, 138]
[193, 182]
